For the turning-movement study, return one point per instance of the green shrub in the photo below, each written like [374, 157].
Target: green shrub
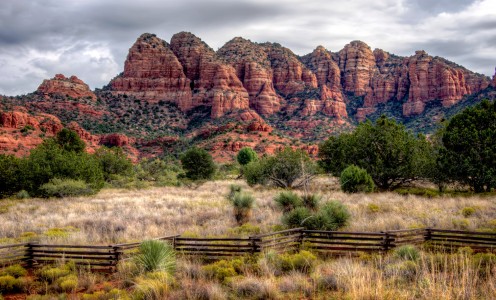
[70, 141]
[14, 270]
[407, 252]
[66, 188]
[9, 283]
[22, 194]
[311, 201]
[220, 270]
[246, 155]
[68, 283]
[354, 179]
[153, 286]
[198, 164]
[110, 295]
[242, 204]
[332, 216]
[288, 201]
[468, 211]
[299, 217]
[52, 274]
[233, 190]
[255, 173]
[302, 261]
[113, 162]
[156, 256]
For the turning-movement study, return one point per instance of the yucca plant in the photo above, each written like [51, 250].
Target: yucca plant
[156, 256]
[288, 201]
[242, 204]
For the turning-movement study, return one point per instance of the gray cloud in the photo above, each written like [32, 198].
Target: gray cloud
[90, 38]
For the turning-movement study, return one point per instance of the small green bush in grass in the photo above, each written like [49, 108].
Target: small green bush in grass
[220, 270]
[156, 256]
[299, 217]
[14, 270]
[354, 179]
[332, 216]
[66, 188]
[407, 252]
[22, 194]
[302, 261]
[8, 283]
[288, 201]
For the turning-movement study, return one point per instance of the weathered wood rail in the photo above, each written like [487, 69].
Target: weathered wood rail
[105, 258]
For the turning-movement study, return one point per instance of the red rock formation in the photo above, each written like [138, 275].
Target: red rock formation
[328, 76]
[114, 140]
[152, 72]
[71, 87]
[214, 83]
[290, 74]
[357, 64]
[435, 79]
[252, 66]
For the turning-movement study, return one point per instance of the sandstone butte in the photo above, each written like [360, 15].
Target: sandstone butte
[269, 78]
[66, 87]
[251, 82]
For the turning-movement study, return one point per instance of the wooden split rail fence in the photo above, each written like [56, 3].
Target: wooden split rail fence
[105, 258]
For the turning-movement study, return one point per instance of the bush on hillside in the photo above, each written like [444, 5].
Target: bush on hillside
[198, 164]
[354, 179]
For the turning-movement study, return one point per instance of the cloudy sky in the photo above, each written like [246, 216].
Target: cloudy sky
[90, 38]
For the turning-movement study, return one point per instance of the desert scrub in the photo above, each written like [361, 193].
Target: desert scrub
[68, 283]
[14, 270]
[156, 256]
[468, 211]
[220, 270]
[52, 273]
[407, 252]
[66, 188]
[153, 286]
[9, 283]
[288, 201]
[110, 295]
[354, 179]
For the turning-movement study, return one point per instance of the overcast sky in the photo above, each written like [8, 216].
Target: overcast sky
[90, 38]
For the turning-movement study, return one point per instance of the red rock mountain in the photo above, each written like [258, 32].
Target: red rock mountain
[260, 95]
[66, 87]
[269, 78]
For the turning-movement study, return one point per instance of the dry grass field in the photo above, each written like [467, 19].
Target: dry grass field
[118, 215]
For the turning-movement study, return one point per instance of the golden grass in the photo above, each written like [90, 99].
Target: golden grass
[119, 215]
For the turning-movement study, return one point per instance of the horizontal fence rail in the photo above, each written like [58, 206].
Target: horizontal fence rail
[105, 258]
[12, 254]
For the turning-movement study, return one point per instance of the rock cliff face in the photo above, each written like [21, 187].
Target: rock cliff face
[152, 72]
[434, 79]
[214, 83]
[66, 87]
[269, 78]
[253, 68]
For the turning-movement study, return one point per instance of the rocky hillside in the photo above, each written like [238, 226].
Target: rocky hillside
[260, 95]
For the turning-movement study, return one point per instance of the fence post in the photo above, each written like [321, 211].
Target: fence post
[116, 250]
[29, 255]
[301, 239]
[428, 234]
[255, 247]
[387, 241]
